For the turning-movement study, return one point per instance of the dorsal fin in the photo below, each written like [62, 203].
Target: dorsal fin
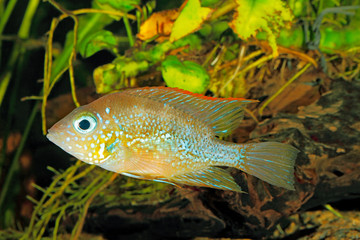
[222, 114]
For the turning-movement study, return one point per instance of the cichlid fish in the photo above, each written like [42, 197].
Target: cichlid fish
[169, 135]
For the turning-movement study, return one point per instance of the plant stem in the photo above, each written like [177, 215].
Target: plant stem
[15, 162]
[298, 74]
[128, 31]
[18, 49]
[76, 233]
[7, 128]
[223, 9]
[23, 33]
[5, 17]
[27, 20]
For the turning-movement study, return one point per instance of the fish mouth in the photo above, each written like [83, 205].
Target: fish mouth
[52, 136]
[53, 133]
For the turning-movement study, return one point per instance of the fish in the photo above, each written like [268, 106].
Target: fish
[173, 136]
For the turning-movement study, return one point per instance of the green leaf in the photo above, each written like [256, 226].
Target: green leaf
[158, 52]
[110, 77]
[190, 19]
[214, 30]
[96, 42]
[254, 15]
[88, 24]
[120, 5]
[299, 7]
[210, 3]
[185, 75]
[334, 40]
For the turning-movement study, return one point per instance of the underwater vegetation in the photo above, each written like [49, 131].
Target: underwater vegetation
[299, 59]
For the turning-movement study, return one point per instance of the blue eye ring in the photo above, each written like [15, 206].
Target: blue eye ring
[85, 123]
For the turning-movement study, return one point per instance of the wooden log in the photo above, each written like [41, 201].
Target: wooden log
[327, 169]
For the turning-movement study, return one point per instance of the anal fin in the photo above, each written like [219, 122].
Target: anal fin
[212, 177]
[162, 180]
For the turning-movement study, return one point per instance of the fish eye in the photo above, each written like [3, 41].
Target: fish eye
[85, 123]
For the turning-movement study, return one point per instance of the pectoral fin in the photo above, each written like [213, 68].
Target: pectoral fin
[212, 177]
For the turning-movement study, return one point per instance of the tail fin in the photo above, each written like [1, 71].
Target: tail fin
[272, 162]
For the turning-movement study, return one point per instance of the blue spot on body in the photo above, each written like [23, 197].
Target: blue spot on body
[100, 118]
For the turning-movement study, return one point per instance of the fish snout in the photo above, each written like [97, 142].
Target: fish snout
[51, 135]
[54, 134]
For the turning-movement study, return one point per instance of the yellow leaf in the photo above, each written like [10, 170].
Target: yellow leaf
[252, 16]
[159, 23]
[190, 19]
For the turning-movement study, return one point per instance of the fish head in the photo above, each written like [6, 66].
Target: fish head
[85, 133]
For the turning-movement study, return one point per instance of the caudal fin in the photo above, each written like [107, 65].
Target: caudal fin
[272, 162]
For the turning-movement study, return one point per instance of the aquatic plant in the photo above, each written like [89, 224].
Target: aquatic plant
[231, 65]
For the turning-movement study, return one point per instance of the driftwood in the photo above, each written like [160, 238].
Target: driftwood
[327, 169]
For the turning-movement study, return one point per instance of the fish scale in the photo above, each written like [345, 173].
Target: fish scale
[169, 135]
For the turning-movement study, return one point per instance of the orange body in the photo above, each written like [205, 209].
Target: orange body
[169, 135]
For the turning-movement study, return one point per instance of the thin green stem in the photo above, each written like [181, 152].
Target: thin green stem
[61, 62]
[72, 56]
[71, 61]
[47, 72]
[5, 14]
[6, 76]
[8, 123]
[298, 74]
[5, 17]
[15, 162]
[23, 33]
[27, 20]
[138, 20]
[80, 224]
[43, 226]
[66, 183]
[333, 210]
[129, 31]
[210, 56]
[87, 189]
[223, 9]
[69, 174]
[320, 7]
[57, 222]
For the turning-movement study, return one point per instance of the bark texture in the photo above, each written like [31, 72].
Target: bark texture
[327, 169]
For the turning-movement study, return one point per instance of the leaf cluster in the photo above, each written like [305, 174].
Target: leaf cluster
[222, 46]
